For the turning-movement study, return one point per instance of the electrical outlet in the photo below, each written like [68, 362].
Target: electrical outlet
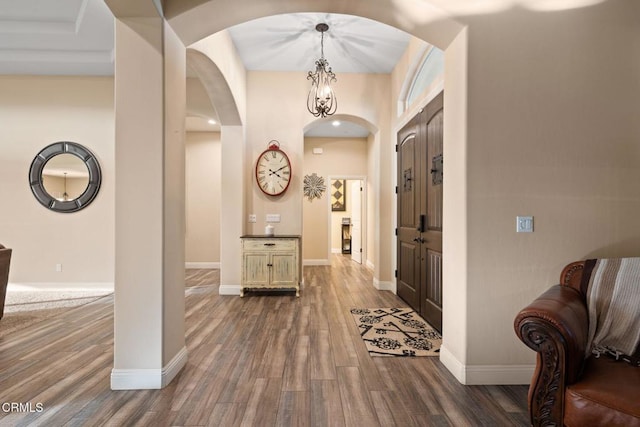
[524, 224]
[58, 268]
[273, 217]
[252, 218]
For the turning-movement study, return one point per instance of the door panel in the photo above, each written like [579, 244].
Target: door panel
[431, 304]
[283, 269]
[408, 283]
[420, 224]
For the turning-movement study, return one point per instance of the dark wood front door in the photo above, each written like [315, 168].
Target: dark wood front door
[420, 178]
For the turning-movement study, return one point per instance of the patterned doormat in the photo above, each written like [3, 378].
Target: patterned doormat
[396, 332]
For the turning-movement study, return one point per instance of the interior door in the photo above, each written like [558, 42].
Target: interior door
[431, 236]
[356, 221]
[420, 177]
[409, 248]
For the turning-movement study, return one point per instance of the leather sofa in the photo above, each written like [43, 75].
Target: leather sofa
[568, 388]
[5, 259]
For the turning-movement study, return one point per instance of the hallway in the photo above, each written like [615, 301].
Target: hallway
[259, 360]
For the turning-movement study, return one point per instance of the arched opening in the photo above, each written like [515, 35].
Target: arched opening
[338, 149]
[231, 157]
[189, 26]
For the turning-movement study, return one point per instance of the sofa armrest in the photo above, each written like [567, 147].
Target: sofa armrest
[556, 326]
[5, 259]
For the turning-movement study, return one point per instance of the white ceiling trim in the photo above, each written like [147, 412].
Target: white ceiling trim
[61, 37]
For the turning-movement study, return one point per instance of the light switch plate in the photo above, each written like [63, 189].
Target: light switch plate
[252, 218]
[273, 217]
[524, 224]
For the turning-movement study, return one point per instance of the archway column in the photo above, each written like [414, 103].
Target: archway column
[149, 343]
[232, 209]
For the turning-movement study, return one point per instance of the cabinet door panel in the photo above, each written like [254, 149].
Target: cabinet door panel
[283, 269]
[256, 269]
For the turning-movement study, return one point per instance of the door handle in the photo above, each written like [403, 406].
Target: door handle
[422, 225]
[419, 240]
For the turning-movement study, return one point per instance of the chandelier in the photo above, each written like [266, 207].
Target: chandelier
[65, 195]
[321, 101]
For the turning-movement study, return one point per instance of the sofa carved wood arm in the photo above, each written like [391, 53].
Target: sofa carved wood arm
[568, 388]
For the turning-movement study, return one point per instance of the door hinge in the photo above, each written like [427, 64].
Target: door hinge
[396, 148]
[396, 231]
[395, 274]
[396, 189]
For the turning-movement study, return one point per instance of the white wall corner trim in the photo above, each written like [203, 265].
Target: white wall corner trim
[229, 290]
[308, 262]
[486, 374]
[452, 364]
[370, 265]
[144, 379]
[384, 286]
[202, 265]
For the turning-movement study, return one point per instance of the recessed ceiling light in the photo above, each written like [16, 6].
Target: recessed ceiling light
[336, 123]
[211, 122]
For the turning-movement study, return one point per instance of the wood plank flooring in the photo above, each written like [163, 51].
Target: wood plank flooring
[262, 360]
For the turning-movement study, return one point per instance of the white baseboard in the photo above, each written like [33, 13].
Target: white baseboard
[336, 250]
[370, 265]
[61, 286]
[499, 374]
[144, 379]
[308, 262]
[202, 265]
[486, 374]
[384, 286]
[229, 290]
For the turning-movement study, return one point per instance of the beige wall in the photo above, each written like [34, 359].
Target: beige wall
[533, 126]
[540, 119]
[35, 112]
[202, 167]
[220, 49]
[290, 89]
[340, 158]
[553, 132]
[56, 186]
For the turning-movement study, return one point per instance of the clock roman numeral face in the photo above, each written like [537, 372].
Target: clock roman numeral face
[273, 172]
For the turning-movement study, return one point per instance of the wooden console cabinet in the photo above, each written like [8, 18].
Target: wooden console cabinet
[271, 262]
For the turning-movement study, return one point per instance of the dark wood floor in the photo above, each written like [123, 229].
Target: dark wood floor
[253, 361]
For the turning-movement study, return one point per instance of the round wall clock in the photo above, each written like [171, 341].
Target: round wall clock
[273, 170]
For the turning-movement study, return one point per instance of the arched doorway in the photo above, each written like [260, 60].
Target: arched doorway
[186, 24]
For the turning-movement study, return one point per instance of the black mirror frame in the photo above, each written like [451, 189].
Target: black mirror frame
[37, 187]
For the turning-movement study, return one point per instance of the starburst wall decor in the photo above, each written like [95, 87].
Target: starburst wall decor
[313, 187]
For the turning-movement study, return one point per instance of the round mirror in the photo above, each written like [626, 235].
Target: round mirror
[65, 177]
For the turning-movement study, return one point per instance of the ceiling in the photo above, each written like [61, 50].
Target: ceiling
[291, 43]
[76, 37]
